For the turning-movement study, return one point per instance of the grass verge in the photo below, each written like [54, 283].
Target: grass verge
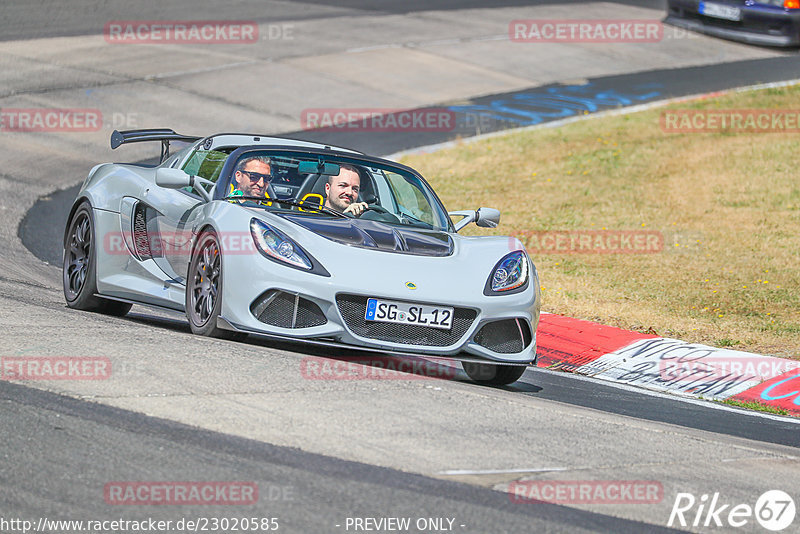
[757, 406]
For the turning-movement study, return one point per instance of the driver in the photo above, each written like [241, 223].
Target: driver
[253, 175]
[341, 191]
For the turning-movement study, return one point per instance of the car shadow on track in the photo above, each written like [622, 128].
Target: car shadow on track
[346, 364]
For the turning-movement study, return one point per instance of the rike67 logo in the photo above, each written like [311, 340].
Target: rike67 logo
[774, 510]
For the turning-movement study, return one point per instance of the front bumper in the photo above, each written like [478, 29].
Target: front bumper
[760, 24]
[290, 304]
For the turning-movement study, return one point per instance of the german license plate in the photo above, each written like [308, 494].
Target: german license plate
[720, 11]
[390, 311]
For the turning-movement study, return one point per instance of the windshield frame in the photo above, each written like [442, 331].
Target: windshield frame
[334, 156]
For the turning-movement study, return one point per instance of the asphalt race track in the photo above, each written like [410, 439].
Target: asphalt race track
[307, 492]
[182, 408]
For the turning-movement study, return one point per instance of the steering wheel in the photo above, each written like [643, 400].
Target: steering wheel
[379, 209]
[381, 214]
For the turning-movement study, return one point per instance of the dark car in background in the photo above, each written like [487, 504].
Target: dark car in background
[764, 22]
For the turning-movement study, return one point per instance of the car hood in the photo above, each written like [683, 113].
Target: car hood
[378, 235]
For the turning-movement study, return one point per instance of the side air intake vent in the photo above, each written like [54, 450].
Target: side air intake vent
[506, 336]
[278, 308]
[141, 240]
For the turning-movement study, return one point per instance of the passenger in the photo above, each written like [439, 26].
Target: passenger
[341, 191]
[252, 176]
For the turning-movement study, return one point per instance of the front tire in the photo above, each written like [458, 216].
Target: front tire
[493, 375]
[79, 272]
[204, 289]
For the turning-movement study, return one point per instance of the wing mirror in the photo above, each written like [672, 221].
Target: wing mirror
[483, 217]
[173, 178]
[177, 179]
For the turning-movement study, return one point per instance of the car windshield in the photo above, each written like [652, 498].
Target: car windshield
[317, 185]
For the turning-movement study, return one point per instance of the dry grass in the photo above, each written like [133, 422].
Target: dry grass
[727, 204]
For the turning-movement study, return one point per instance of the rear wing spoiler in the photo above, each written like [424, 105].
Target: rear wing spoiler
[165, 135]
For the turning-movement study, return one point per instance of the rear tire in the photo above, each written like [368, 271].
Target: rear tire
[204, 289]
[79, 272]
[493, 375]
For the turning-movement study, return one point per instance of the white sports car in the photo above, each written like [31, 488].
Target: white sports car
[249, 234]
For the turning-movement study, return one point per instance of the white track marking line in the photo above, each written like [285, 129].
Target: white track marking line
[457, 472]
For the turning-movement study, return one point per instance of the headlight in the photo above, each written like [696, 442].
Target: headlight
[273, 244]
[510, 273]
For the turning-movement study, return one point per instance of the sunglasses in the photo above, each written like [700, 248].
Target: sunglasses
[257, 176]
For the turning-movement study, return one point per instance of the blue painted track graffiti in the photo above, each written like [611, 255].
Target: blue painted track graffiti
[553, 103]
